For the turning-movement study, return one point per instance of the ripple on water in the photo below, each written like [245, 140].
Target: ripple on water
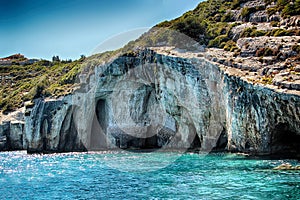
[128, 175]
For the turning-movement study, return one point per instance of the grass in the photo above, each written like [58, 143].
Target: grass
[23, 83]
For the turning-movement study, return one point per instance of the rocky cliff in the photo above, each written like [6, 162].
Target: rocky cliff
[235, 87]
[153, 99]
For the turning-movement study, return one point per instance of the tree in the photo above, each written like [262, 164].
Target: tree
[55, 59]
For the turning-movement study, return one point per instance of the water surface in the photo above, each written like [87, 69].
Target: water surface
[128, 175]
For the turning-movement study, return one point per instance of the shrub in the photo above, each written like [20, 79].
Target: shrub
[282, 32]
[271, 11]
[218, 41]
[164, 24]
[228, 17]
[235, 4]
[253, 32]
[245, 12]
[45, 63]
[274, 24]
[296, 48]
[268, 1]
[216, 29]
[270, 52]
[285, 7]
[260, 52]
[258, 33]
[230, 46]
[291, 9]
[267, 80]
[266, 52]
[248, 32]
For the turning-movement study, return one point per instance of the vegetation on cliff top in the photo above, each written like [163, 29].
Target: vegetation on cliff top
[41, 79]
[21, 83]
[211, 22]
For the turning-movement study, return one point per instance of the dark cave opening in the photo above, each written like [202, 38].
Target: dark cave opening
[196, 143]
[194, 139]
[151, 142]
[69, 139]
[104, 136]
[222, 142]
[285, 142]
[44, 132]
[98, 139]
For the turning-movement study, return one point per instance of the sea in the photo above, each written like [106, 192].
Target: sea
[144, 175]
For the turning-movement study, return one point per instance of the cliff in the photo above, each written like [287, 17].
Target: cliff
[227, 81]
[154, 99]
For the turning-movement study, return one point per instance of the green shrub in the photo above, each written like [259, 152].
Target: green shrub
[266, 51]
[235, 4]
[216, 29]
[164, 24]
[271, 11]
[230, 46]
[268, 1]
[228, 17]
[245, 12]
[267, 80]
[285, 7]
[258, 33]
[248, 32]
[291, 9]
[282, 32]
[218, 41]
[274, 24]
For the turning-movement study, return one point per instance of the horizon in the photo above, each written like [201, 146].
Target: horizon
[43, 29]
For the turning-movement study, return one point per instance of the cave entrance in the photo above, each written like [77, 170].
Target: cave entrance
[285, 142]
[194, 139]
[98, 140]
[196, 143]
[222, 142]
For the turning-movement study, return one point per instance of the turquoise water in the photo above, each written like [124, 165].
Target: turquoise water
[125, 175]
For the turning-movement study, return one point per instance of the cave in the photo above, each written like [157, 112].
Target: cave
[104, 137]
[285, 143]
[196, 144]
[151, 142]
[98, 138]
[69, 139]
[193, 139]
[44, 130]
[130, 142]
[222, 142]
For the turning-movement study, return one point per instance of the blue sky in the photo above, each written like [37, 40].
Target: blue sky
[70, 28]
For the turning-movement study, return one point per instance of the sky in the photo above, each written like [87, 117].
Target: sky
[70, 28]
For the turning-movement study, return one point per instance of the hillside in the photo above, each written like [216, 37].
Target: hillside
[261, 37]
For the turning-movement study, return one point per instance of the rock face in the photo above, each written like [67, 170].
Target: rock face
[152, 100]
[49, 127]
[11, 136]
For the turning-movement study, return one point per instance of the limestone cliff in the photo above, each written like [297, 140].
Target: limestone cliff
[237, 88]
[154, 100]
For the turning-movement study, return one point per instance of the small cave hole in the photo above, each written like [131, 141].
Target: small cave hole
[285, 142]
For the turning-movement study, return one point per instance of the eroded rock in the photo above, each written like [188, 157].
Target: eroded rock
[154, 100]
